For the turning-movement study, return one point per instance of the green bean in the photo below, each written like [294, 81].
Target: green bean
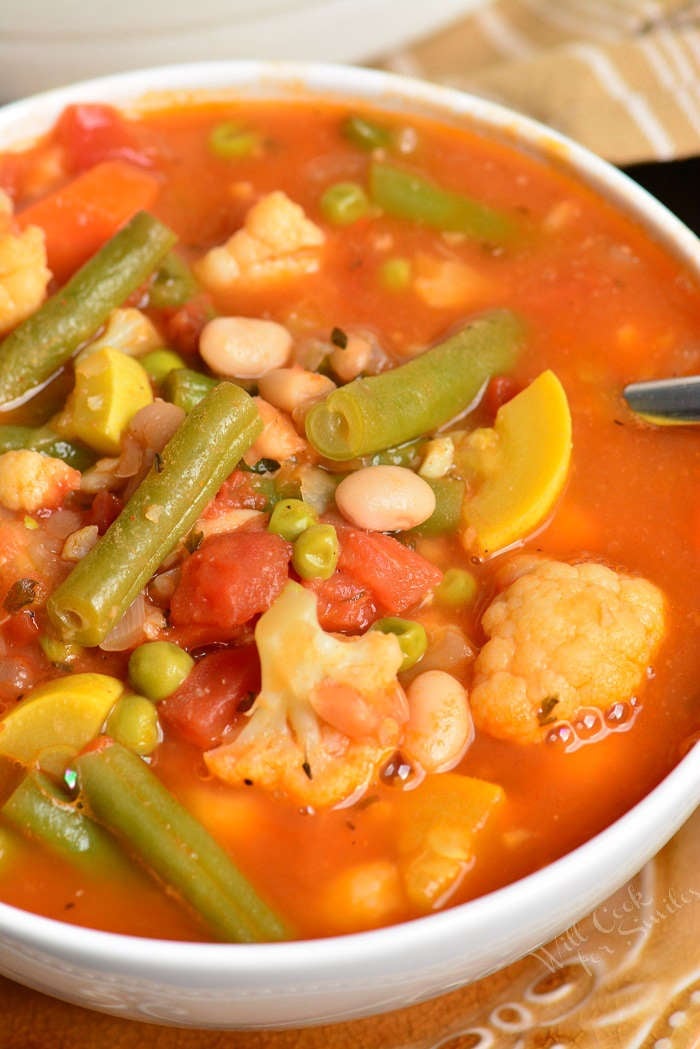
[173, 284]
[371, 414]
[316, 551]
[446, 517]
[409, 196]
[41, 344]
[186, 387]
[41, 810]
[43, 439]
[193, 465]
[158, 668]
[411, 636]
[127, 798]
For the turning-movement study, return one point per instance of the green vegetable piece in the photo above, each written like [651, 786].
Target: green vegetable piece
[110, 387]
[159, 363]
[344, 203]
[133, 722]
[375, 413]
[157, 668]
[447, 515]
[160, 513]
[39, 809]
[411, 635]
[405, 195]
[316, 551]
[186, 387]
[291, 517]
[43, 439]
[173, 285]
[38, 346]
[457, 588]
[366, 134]
[131, 802]
[395, 274]
[55, 720]
[58, 652]
[231, 141]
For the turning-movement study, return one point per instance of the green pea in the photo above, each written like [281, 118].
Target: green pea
[159, 363]
[395, 274]
[291, 517]
[133, 722]
[229, 140]
[457, 588]
[316, 551]
[411, 635]
[344, 203]
[157, 668]
[366, 134]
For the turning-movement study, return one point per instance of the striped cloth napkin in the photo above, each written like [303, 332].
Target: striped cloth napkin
[620, 76]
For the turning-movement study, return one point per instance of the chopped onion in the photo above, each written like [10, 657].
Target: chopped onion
[141, 622]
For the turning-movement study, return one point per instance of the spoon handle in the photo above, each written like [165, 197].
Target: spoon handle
[666, 401]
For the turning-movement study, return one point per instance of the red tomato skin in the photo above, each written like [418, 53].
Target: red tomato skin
[105, 508]
[344, 606]
[237, 492]
[231, 578]
[213, 696]
[90, 133]
[398, 577]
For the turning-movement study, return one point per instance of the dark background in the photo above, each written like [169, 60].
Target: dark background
[676, 184]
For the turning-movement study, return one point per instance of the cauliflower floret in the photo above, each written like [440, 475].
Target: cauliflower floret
[24, 274]
[31, 481]
[277, 239]
[329, 712]
[562, 637]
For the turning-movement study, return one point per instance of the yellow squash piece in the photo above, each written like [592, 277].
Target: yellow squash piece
[55, 721]
[516, 470]
[437, 825]
[110, 387]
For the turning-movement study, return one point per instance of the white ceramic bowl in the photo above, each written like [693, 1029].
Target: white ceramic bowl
[292, 984]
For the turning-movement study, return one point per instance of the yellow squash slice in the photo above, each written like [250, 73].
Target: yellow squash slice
[54, 721]
[516, 470]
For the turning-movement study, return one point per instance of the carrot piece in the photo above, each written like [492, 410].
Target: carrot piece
[79, 217]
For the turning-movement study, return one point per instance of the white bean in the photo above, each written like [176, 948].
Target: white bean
[385, 498]
[278, 440]
[351, 360]
[439, 727]
[244, 347]
[291, 388]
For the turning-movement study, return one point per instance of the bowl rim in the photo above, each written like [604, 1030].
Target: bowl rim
[671, 801]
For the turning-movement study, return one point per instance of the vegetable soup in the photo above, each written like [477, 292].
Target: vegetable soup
[339, 584]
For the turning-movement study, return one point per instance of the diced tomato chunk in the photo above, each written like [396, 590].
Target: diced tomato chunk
[397, 576]
[501, 388]
[230, 578]
[343, 604]
[91, 133]
[213, 696]
[237, 492]
[105, 508]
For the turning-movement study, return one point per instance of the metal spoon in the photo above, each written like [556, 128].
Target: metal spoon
[666, 401]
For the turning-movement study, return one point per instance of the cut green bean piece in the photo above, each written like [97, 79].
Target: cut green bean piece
[409, 196]
[186, 387]
[43, 439]
[173, 285]
[371, 414]
[39, 809]
[128, 798]
[193, 465]
[446, 517]
[48, 338]
[366, 134]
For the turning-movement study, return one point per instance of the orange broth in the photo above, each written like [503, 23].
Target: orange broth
[603, 306]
